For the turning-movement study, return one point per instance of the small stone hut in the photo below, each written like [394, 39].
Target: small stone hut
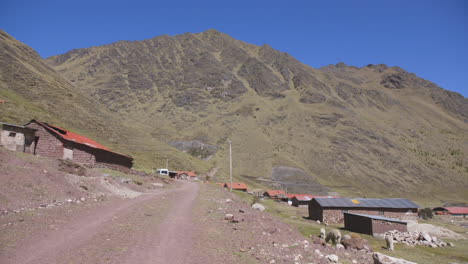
[372, 224]
[301, 200]
[17, 138]
[56, 142]
[330, 210]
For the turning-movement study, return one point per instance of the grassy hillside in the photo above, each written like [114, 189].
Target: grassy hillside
[370, 131]
[33, 90]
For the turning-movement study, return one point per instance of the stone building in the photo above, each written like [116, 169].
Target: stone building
[17, 138]
[372, 224]
[330, 210]
[52, 141]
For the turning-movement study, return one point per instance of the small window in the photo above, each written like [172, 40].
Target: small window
[345, 211]
[12, 134]
[381, 212]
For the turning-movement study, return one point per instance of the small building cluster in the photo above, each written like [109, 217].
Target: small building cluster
[43, 139]
[363, 215]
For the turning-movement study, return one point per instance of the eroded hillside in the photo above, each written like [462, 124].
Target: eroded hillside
[370, 131]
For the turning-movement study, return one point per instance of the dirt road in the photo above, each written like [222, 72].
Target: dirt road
[146, 229]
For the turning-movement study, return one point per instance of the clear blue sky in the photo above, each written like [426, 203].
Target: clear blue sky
[426, 37]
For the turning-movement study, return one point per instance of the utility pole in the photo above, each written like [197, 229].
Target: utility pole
[230, 161]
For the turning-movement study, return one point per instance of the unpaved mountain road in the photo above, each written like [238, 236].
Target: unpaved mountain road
[151, 231]
[184, 223]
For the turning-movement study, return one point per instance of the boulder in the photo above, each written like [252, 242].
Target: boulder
[258, 206]
[354, 243]
[346, 237]
[318, 241]
[380, 258]
[229, 217]
[425, 236]
[332, 258]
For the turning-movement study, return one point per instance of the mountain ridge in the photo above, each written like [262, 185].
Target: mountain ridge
[345, 127]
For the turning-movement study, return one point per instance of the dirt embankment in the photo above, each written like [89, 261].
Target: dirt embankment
[101, 217]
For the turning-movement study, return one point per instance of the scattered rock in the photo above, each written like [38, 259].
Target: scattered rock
[414, 238]
[339, 246]
[346, 237]
[426, 237]
[380, 258]
[229, 217]
[258, 206]
[355, 243]
[333, 258]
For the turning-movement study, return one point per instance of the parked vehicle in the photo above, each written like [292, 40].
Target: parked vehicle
[166, 172]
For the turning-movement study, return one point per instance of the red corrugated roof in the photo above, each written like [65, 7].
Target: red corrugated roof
[457, 210]
[236, 186]
[189, 173]
[275, 192]
[68, 135]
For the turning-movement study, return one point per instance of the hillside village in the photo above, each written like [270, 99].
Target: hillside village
[344, 222]
[203, 148]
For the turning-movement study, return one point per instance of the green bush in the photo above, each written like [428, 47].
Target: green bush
[426, 213]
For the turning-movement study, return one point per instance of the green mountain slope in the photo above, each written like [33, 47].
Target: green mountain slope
[370, 131]
[33, 90]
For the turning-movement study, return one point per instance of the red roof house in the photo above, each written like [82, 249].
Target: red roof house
[56, 142]
[273, 193]
[236, 186]
[454, 210]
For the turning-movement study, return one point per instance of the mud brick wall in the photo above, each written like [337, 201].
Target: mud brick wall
[81, 153]
[335, 215]
[48, 144]
[380, 226]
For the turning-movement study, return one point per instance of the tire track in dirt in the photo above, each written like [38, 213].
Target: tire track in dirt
[46, 248]
[170, 241]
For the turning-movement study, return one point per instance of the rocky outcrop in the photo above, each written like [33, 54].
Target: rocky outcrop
[380, 258]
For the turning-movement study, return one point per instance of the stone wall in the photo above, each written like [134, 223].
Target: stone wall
[380, 226]
[335, 215]
[48, 144]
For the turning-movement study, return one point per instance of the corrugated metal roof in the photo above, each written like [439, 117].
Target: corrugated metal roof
[455, 209]
[366, 202]
[18, 126]
[68, 135]
[274, 192]
[379, 217]
[236, 185]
